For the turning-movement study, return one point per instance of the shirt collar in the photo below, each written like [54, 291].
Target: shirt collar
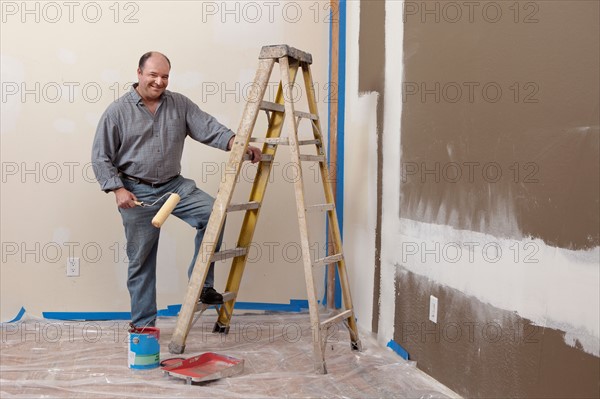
[138, 99]
[134, 94]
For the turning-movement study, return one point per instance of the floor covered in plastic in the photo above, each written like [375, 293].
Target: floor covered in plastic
[42, 358]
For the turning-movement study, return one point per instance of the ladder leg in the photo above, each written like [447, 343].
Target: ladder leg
[217, 217]
[335, 234]
[318, 348]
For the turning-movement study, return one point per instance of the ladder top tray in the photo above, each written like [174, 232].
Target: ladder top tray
[283, 50]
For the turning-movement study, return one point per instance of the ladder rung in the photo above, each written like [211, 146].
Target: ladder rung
[243, 206]
[282, 141]
[328, 259]
[271, 106]
[306, 115]
[314, 158]
[337, 318]
[307, 142]
[276, 107]
[320, 208]
[263, 158]
[229, 253]
[270, 140]
[228, 296]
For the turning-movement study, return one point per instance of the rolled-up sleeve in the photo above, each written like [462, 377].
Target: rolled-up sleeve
[104, 150]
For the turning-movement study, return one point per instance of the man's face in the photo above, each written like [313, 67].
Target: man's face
[154, 78]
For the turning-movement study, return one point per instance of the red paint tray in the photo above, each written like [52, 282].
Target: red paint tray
[206, 367]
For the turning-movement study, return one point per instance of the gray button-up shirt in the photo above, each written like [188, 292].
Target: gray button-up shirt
[130, 139]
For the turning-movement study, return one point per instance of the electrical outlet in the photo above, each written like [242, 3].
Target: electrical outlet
[72, 267]
[433, 308]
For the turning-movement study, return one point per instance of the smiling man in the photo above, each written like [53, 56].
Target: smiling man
[136, 155]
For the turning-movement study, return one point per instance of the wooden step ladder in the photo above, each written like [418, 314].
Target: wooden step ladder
[290, 62]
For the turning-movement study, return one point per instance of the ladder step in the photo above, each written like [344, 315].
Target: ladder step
[282, 141]
[276, 107]
[243, 206]
[328, 260]
[227, 297]
[306, 115]
[320, 208]
[271, 106]
[307, 142]
[263, 158]
[229, 253]
[337, 318]
[270, 140]
[313, 158]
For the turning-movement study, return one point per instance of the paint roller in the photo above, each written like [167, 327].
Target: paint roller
[165, 210]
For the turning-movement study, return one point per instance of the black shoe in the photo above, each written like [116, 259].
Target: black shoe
[210, 296]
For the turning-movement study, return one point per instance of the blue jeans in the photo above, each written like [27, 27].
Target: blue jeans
[142, 239]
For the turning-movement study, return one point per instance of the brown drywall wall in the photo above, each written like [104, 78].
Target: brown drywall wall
[500, 126]
[500, 135]
[484, 352]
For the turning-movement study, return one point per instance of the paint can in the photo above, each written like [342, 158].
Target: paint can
[144, 348]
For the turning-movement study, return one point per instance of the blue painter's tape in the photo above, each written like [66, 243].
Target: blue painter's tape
[324, 300]
[19, 315]
[87, 315]
[393, 345]
[170, 311]
[295, 305]
[341, 97]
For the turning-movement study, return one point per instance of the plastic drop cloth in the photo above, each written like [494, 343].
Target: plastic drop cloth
[88, 359]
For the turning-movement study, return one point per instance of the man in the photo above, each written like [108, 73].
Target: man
[137, 156]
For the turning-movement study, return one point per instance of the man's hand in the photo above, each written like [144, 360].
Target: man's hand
[125, 199]
[254, 153]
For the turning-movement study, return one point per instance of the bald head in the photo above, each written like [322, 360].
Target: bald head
[151, 54]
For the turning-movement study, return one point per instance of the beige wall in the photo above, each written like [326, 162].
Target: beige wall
[61, 66]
